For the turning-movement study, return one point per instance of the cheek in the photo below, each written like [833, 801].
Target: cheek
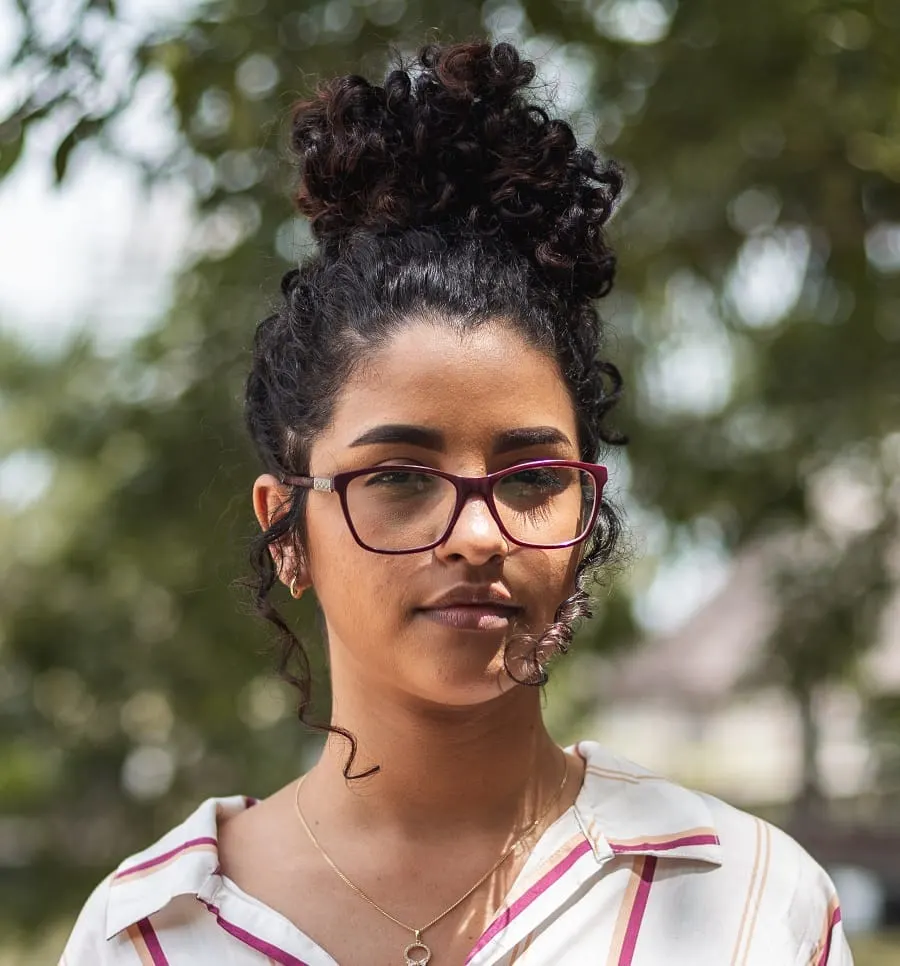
[552, 575]
[358, 590]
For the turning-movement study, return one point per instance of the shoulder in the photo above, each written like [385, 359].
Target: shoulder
[178, 863]
[783, 877]
[755, 877]
[752, 841]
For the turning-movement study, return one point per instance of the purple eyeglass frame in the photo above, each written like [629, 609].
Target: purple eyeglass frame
[466, 486]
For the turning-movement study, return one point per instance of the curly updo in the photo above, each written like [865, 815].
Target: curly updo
[444, 192]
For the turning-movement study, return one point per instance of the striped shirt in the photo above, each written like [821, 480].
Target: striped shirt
[638, 872]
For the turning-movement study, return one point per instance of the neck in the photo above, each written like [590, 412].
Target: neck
[438, 767]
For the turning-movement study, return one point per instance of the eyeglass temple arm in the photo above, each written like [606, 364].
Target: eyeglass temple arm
[322, 483]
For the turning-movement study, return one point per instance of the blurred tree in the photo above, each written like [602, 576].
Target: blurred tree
[756, 317]
[831, 593]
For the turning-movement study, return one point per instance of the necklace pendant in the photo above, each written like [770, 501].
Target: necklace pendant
[417, 954]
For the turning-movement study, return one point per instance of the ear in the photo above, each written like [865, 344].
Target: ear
[271, 500]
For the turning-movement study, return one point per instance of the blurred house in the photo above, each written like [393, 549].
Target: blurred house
[681, 702]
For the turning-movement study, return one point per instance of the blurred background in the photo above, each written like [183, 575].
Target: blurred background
[751, 646]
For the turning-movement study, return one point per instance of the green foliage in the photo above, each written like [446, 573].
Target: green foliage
[880, 950]
[751, 132]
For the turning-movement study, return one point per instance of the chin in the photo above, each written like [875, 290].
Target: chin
[455, 687]
[462, 667]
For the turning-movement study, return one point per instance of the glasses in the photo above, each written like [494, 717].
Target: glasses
[402, 508]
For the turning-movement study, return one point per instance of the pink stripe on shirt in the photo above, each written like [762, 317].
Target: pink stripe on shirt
[526, 899]
[151, 941]
[664, 846]
[637, 911]
[275, 953]
[826, 952]
[159, 859]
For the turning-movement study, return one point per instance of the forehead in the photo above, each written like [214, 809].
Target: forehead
[468, 384]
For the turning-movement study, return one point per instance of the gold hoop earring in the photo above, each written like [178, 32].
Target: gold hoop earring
[293, 586]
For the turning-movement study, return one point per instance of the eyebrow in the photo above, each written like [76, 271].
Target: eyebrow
[433, 439]
[402, 433]
[511, 439]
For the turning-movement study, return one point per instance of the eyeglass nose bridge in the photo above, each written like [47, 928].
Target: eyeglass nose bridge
[467, 486]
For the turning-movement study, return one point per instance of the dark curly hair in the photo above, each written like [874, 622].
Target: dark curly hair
[444, 192]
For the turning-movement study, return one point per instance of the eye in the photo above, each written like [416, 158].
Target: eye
[400, 481]
[534, 484]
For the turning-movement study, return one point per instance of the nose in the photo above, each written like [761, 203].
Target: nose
[475, 536]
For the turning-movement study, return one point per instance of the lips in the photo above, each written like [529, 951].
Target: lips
[473, 608]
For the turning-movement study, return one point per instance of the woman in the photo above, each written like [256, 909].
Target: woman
[428, 404]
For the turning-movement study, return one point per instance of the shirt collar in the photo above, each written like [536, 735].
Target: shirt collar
[180, 863]
[622, 809]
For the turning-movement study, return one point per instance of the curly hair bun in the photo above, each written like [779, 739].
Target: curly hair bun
[451, 140]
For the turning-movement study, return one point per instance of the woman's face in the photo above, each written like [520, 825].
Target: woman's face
[465, 393]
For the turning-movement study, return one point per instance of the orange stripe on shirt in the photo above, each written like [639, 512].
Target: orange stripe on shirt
[625, 911]
[754, 895]
[140, 946]
[748, 898]
[520, 949]
[141, 872]
[764, 875]
[688, 836]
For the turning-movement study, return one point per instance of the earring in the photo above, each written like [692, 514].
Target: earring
[295, 593]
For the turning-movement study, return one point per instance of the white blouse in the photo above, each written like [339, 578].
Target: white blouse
[638, 872]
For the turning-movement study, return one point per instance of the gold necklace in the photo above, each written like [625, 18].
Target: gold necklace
[417, 953]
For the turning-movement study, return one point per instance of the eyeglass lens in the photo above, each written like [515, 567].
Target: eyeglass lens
[398, 509]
